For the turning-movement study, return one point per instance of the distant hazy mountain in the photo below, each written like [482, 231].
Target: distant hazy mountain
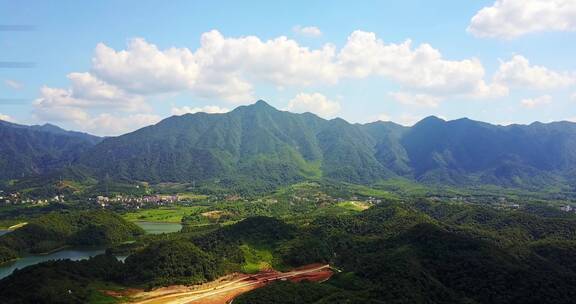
[260, 147]
[465, 151]
[32, 150]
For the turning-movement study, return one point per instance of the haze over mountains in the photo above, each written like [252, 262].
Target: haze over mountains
[261, 147]
[33, 150]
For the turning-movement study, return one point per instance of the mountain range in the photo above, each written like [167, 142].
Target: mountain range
[35, 150]
[260, 147]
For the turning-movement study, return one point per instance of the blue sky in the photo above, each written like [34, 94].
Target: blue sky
[108, 67]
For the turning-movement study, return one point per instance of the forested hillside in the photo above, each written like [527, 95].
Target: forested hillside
[253, 146]
[258, 148]
[34, 150]
[412, 252]
[58, 229]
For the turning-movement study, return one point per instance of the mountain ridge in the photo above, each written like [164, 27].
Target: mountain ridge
[258, 146]
[33, 150]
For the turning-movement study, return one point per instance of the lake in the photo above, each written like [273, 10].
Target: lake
[76, 254]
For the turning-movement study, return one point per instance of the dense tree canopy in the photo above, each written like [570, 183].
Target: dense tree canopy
[411, 252]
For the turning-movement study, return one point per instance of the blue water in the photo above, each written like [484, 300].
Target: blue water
[76, 254]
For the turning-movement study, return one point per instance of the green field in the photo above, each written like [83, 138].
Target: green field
[257, 259]
[354, 205]
[165, 214]
[188, 196]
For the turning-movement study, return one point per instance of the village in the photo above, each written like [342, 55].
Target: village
[16, 198]
[122, 201]
[135, 202]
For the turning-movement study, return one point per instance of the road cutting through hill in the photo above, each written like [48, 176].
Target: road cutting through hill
[226, 289]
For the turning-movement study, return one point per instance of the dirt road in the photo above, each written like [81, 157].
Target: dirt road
[224, 290]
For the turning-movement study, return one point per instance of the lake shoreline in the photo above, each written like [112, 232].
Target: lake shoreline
[9, 261]
[79, 252]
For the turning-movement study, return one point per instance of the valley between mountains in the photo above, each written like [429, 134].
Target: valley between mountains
[260, 205]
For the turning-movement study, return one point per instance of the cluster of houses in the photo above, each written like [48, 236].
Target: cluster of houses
[103, 201]
[17, 199]
[321, 198]
[373, 200]
[136, 201]
[568, 208]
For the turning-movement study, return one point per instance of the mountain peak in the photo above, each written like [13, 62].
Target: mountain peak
[259, 106]
[430, 120]
[262, 104]
[4, 122]
[49, 126]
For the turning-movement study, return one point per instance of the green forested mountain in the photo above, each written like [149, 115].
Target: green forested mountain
[260, 147]
[32, 150]
[58, 229]
[256, 145]
[466, 151]
[417, 251]
[423, 252]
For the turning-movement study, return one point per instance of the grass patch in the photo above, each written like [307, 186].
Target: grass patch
[98, 297]
[372, 192]
[257, 259]
[164, 214]
[188, 196]
[354, 205]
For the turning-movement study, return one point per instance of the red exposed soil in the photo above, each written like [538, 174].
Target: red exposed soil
[227, 288]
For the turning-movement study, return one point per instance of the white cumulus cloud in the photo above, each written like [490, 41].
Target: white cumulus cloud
[6, 117]
[310, 31]
[111, 124]
[383, 117]
[415, 99]
[512, 18]
[58, 105]
[191, 110]
[520, 73]
[220, 68]
[408, 120]
[531, 103]
[314, 103]
[87, 91]
[104, 124]
[90, 91]
[421, 68]
[74, 107]
[281, 61]
[143, 68]
[229, 68]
